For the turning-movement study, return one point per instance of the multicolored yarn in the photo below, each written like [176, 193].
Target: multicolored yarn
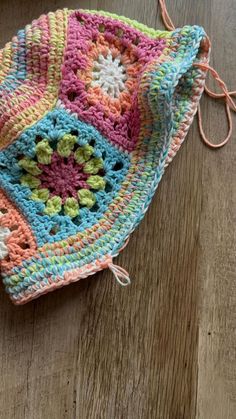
[93, 108]
[62, 178]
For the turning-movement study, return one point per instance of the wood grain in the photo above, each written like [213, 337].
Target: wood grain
[164, 348]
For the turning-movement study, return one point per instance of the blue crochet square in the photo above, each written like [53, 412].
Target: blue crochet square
[33, 162]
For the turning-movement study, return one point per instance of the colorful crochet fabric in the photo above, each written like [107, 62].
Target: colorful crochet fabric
[93, 107]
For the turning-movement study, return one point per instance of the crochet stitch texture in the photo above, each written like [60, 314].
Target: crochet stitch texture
[93, 107]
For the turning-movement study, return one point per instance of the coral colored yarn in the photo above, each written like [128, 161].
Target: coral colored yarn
[93, 107]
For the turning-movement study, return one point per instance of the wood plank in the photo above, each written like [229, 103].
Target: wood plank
[216, 268]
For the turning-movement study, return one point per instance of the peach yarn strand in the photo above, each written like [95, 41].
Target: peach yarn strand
[226, 95]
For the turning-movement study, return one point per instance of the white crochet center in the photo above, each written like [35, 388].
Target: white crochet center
[4, 233]
[109, 73]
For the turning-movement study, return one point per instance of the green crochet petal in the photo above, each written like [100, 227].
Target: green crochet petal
[93, 166]
[96, 182]
[40, 195]
[30, 166]
[86, 198]
[66, 145]
[29, 180]
[71, 207]
[83, 154]
[53, 206]
[44, 152]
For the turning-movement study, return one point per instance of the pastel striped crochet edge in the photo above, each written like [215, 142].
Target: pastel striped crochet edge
[39, 97]
[69, 277]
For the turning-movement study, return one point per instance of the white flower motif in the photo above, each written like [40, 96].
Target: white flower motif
[109, 73]
[4, 234]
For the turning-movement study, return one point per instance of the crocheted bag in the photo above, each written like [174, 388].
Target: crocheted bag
[93, 107]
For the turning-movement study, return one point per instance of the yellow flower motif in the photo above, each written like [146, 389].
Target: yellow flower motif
[51, 182]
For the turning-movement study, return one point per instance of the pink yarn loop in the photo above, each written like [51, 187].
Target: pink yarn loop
[226, 95]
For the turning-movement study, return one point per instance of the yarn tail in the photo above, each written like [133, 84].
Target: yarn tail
[226, 95]
[120, 274]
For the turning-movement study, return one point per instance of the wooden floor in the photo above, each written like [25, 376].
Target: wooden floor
[165, 348]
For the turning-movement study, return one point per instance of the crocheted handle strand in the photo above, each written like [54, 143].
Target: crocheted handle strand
[165, 16]
[229, 105]
[226, 95]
